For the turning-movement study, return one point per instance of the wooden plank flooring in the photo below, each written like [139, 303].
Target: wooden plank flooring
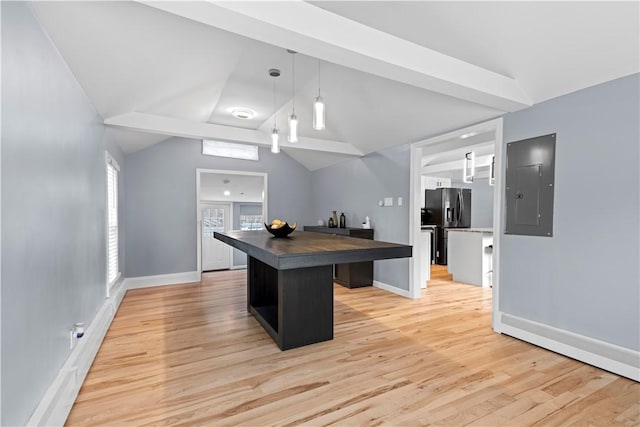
[191, 355]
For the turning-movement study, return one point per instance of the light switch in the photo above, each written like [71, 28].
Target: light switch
[399, 201]
[388, 201]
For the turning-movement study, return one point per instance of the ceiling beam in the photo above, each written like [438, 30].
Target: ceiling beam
[316, 32]
[480, 162]
[450, 150]
[457, 144]
[164, 125]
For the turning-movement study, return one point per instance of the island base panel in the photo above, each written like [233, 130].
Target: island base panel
[303, 300]
[262, 290]
[354, 275]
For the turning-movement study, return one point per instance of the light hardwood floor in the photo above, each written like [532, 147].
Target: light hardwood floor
[190, 355]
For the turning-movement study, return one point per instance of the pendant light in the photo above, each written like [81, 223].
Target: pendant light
[275, 146]
[293, 119]
[469, 167]
[492, 171]
[318, 107]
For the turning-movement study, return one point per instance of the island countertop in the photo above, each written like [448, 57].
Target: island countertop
[307, 249]
[472, 230]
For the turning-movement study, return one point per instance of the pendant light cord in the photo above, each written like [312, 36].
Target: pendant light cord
[293, 91]
[318, 77]
[274, 102]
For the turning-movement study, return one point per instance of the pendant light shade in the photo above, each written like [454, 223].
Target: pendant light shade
[318, 114]
[293, 128]
[275, 137]
[293, 119]
[318, 107]
[275, 141]
[492, 171]
[469, 167]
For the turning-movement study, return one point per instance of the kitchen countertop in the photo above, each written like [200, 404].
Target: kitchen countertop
[472, 230]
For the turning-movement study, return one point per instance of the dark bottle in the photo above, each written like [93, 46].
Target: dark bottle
[331, 225]
[343, 220]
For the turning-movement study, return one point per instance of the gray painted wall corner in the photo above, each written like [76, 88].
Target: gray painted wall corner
[355, 187]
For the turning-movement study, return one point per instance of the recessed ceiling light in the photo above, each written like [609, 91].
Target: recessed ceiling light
[227, 192]
[242, 113]
[468, 135]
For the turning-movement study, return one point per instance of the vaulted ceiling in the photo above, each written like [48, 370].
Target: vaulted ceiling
[391, 72]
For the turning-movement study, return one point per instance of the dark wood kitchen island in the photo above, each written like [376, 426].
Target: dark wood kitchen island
[290, 280]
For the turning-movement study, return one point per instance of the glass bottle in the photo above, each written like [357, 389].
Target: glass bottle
[343, 220]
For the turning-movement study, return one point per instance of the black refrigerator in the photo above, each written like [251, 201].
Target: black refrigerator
[447, 208]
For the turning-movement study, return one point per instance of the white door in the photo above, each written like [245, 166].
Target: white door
[215, 254]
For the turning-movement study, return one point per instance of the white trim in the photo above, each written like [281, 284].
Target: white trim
[415, 166]
[161, 280]
[199, 171]
[390, 288]
[111, 160]
[238, 267]
[604, 355]
[56, 403]
[498, 225]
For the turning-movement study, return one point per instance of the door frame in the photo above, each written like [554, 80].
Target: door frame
[415, 167]
[206, 203]
[199, 171]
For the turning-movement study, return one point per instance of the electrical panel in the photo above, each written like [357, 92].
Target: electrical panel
[529, 186]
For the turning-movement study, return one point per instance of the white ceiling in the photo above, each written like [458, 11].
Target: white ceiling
[391, 72]
[242, 188]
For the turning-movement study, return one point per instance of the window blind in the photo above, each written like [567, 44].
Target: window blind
[112, 222]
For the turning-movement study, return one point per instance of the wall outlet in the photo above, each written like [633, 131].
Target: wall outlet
[399, 201]
[388, 201]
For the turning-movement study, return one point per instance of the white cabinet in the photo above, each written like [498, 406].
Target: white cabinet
[424, 258]
[433, 182]
[470, 256]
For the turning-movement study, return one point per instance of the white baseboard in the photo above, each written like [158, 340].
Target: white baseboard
[604, 355]
[239, 267]
[384, 286]
[56, 404]
[161, 280]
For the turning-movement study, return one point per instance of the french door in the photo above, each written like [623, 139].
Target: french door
[215, 254]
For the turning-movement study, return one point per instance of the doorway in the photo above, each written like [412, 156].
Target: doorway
[465, 139]
[215, 254]
[227, 200]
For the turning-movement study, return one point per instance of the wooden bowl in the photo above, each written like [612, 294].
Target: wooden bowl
[283, 231]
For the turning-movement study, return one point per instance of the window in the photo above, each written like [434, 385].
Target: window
[229, 149]
[250, 222]
[212, 220]
[113, 269]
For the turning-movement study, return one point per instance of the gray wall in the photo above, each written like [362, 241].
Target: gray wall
[53, 211]
[481, 202]
[160, 194]
[584, 279]
[243, 208]
[354, 187]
